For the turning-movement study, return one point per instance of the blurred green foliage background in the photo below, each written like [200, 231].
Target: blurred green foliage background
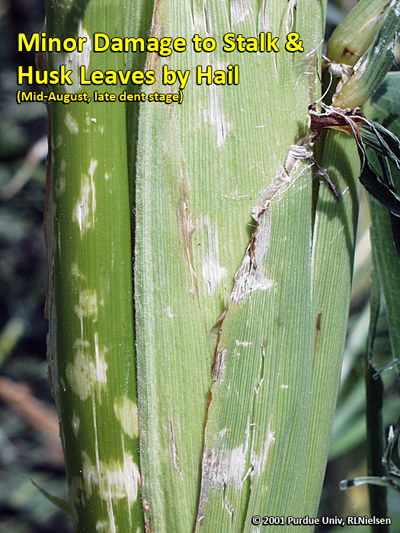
[29, 442]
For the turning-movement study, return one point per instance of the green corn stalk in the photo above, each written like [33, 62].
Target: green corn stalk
[242, 273]
[90, 306]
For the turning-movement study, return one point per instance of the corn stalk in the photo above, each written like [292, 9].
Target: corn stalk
[90, 306]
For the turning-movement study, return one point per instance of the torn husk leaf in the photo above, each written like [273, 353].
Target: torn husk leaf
[256, 415]
[258, 418]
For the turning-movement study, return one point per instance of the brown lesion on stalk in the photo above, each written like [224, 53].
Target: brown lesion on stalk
[318, 324]
[186, 222]
[218, 368]
[153, 61]
[317, 330]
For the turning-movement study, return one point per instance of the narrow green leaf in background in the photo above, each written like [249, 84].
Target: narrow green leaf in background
[385, 109]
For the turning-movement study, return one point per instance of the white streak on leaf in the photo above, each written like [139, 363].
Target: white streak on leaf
[213, 273]
[264, 23]
[75, 424]
[259, 460]
[169, 312]
[243, 343]
[226, 467]
[215, 116]
[219, 365]
[71, 123]
[85, 208]
[174, 450]
[114, 480]
[87, 307]
[74, 60]
[250, 276]
[87, 375]
[240, 10]
[127, 414]
[76, 273]
[199, 18]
